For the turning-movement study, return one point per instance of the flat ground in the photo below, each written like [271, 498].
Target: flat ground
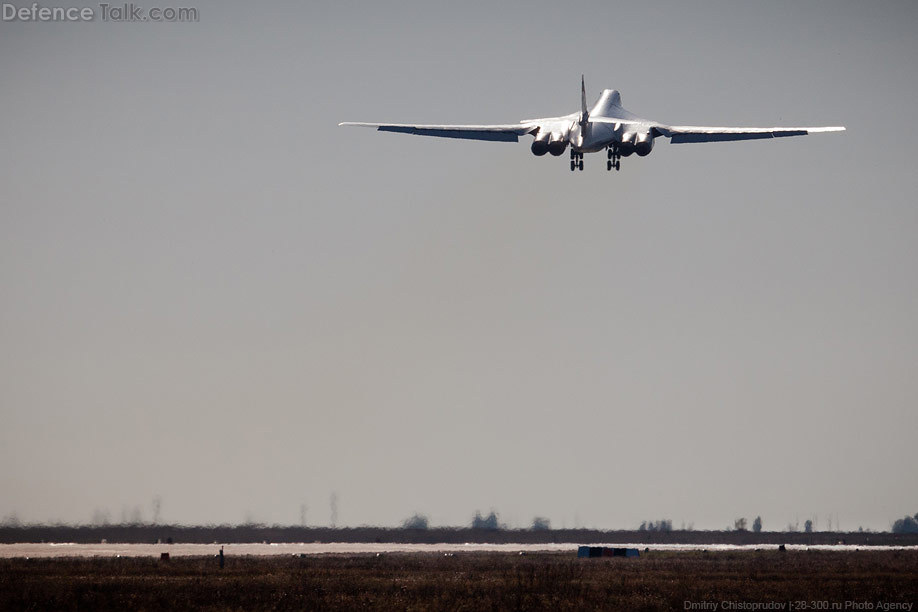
[822, 580]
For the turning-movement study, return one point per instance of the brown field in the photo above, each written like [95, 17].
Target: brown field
[469, 581]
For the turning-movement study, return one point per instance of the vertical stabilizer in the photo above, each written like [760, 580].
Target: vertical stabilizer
[584, 113]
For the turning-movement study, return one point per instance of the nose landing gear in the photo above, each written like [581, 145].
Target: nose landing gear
[615, 159]
[576, 160]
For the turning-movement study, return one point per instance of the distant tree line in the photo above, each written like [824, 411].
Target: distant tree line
[416, 521]
[540, 523]
[740, 524]
[489, 522]
[661, 525]
[909, 524]
[257, 533]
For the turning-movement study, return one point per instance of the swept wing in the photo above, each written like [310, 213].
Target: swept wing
[504, 133]
[694, 133]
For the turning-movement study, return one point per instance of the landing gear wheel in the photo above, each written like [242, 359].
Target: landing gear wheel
[573, 165]
[609, 165]
[580, 164]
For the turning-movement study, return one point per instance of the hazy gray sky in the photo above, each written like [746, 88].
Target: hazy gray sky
[212, 293]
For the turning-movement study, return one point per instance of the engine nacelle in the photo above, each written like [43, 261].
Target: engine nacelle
[540, 144]
[643, 144]
[556, 147]
[554, 142]
[626, 146]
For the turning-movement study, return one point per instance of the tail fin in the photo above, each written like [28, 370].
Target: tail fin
[584, 113]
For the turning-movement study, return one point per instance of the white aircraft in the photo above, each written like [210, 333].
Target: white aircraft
[606, 126]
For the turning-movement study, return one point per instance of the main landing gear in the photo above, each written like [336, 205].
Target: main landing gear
[615, 159]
